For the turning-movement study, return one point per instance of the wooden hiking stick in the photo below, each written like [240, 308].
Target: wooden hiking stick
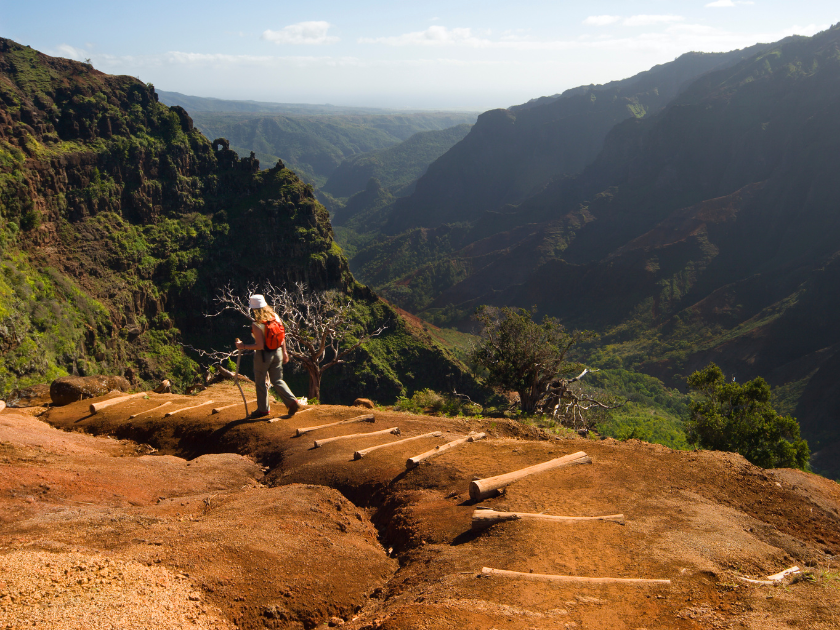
[236, 378]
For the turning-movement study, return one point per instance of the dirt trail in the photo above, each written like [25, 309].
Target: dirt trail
[376, 546]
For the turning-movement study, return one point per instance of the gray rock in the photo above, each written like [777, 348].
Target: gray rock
[363, 402]
[35, 396]
[68, 389]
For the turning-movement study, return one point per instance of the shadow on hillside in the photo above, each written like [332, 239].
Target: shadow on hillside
[233, 424]
[465, 537]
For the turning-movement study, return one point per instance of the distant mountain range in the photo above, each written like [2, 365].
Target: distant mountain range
[312, 140]
[689, 214]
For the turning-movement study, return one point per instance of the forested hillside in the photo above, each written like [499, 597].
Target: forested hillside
[120, 221]
[396, 168]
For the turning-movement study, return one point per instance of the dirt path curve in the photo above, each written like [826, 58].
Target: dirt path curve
[699, 519]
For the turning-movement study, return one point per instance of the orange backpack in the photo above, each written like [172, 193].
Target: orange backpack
[275, 334]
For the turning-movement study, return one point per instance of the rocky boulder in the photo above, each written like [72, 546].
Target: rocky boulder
[35, 396]
[367, 403]
[68, 389]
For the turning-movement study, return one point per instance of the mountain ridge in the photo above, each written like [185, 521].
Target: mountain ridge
[704, 232]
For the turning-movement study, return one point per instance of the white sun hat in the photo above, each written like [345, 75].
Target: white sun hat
[257, 301]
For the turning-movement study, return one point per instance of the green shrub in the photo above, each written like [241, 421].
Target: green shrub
[730, 416]
[30, 220]
[430, 402]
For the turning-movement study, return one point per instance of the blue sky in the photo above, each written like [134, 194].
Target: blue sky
[429, 55]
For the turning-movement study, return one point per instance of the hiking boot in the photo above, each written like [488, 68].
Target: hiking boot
[258, 414]
[295, 407]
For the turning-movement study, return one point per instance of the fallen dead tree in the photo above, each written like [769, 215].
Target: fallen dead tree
[411, 462]
[571, 578]
[482, 519]
[481, 489]
[365, 451]
[320, 443]
[772, 579]
[368, 417]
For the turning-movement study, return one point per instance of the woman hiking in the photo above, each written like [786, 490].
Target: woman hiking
[269, 356]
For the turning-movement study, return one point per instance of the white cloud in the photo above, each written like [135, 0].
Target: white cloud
[648, 20]
[717, 4]
[69, 52]
[602, 20]
[432, 36]
[670, 42]
[301, 33]
[224, 62]
[519, 40]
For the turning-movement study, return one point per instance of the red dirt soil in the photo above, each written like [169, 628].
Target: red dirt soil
[372, 545]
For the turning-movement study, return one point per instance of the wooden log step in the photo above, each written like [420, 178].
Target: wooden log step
[320, 443]
[482, 519]
[368, 417]
[412, 462]
[481, 489]
[571, 578]
[365, 451]
[174, 411]
[168, 402]
[236, 404]
[97, 407]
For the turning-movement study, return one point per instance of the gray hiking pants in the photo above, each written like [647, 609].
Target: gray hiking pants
[270, 362]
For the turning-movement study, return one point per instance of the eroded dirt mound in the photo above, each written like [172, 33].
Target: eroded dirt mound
[248, 556]
[302, 550]
[74, 590]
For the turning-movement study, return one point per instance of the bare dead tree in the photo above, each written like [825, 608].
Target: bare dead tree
[568, 403]
[215, 362]
[321, 327]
